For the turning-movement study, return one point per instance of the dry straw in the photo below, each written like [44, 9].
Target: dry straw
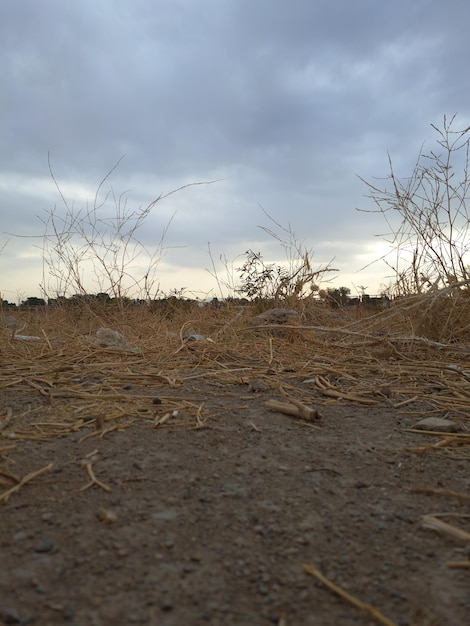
[411, 357]
[363, 606]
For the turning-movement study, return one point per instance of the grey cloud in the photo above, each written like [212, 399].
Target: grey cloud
[284, 101]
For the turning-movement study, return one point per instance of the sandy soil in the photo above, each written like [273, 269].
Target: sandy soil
[214, 521]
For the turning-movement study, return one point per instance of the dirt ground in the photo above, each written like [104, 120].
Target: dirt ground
[220, 519]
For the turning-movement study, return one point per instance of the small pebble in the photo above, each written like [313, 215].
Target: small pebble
[44, 545]
[437, 424]
[9, 615]
[257, 385]
[21, 535]
[106, 515]
[167, 605]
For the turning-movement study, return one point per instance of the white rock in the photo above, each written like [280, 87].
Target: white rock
[276, 316]
[437, 424]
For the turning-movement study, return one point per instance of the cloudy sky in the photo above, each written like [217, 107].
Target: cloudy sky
[283, 103]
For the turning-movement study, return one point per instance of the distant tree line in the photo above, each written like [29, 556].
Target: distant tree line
[335, 298]
[340, 298]
[105, 299]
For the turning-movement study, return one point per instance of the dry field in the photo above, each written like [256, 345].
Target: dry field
[212, 470]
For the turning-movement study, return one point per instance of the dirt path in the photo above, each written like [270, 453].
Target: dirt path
[215, 525]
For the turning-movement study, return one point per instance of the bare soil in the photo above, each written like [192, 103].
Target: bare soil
[214, 522]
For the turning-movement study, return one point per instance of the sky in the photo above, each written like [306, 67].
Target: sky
[281, 107]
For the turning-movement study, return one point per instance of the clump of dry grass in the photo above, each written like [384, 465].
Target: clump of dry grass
[427, 216]
[441, 316]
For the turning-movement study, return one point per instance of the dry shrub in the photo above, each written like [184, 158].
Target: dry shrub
[443, 316]
[427, 215]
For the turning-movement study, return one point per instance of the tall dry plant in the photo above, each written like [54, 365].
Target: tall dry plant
[101, 243]
[283, 284]
[427, 214]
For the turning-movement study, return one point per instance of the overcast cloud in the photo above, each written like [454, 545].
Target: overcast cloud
[283, 102]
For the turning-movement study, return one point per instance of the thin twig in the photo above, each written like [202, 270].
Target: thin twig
[363, 606]
[94, 480]
[6, 494]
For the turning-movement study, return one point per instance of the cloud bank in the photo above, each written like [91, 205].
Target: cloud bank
[283, 103]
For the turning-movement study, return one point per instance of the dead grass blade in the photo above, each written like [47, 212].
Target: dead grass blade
[327, 389]
[434, 523]
[441, 492]
[293, 407]
[94, 480]
[6, 494]
[363, 606]
[302, 411]
[458, 564]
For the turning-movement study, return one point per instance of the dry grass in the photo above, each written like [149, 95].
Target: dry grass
[413, 356]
